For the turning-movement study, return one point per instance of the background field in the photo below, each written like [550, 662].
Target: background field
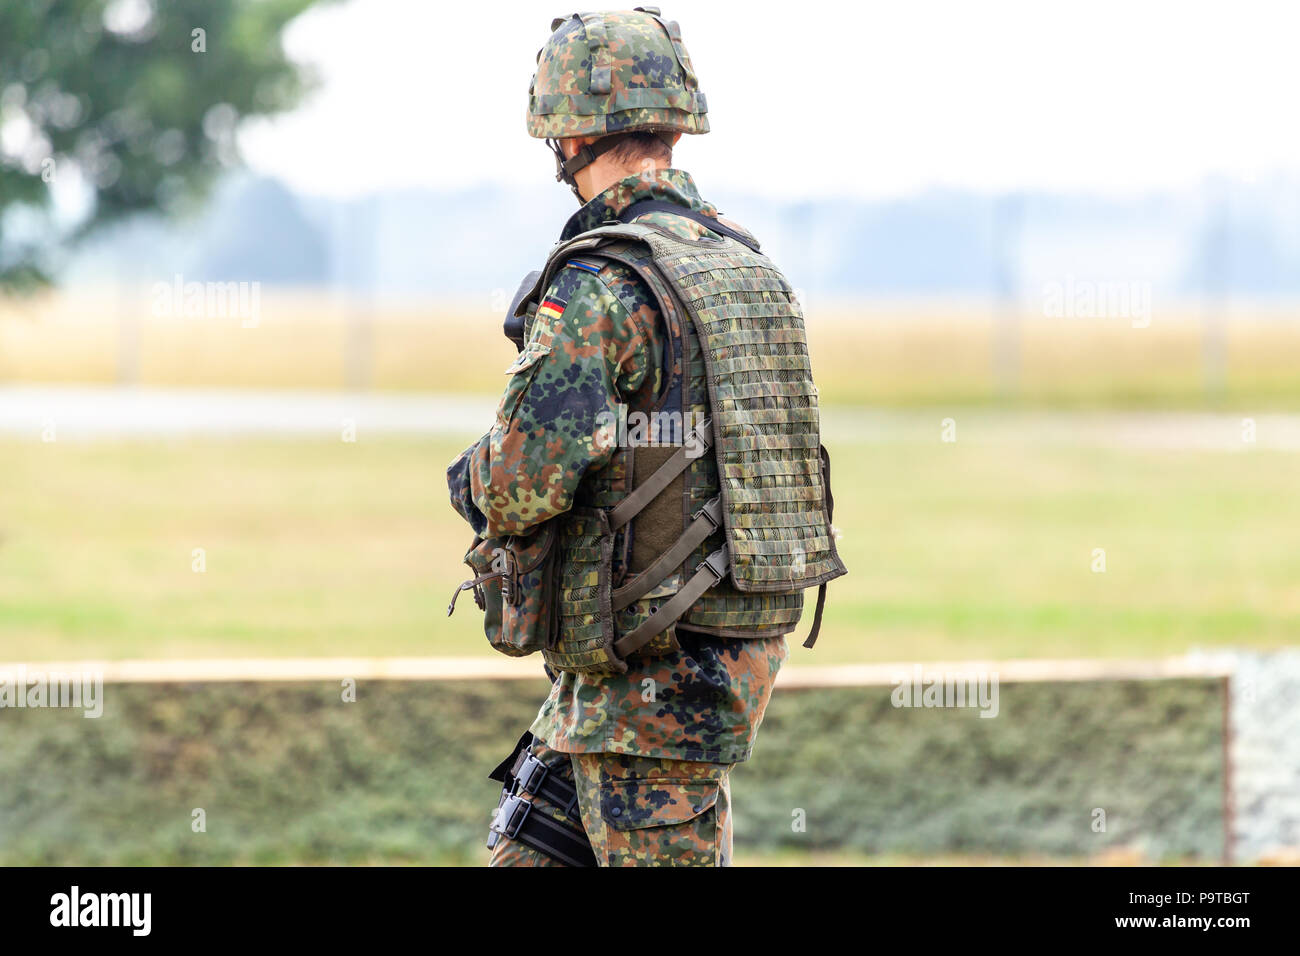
[980, 548]
[965, 550]
[875, 353]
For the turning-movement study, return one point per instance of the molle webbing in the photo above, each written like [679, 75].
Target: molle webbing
[773, 497]
[703, 523]
[763, 403]
[722, 610]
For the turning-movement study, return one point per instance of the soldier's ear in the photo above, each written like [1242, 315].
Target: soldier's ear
[571, 144]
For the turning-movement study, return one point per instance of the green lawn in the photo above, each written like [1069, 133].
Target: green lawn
[955, 550]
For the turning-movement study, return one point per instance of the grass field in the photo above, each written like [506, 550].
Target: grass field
[870, 354]
[965, 550]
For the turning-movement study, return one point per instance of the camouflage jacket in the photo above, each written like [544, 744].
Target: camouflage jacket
[706, 700]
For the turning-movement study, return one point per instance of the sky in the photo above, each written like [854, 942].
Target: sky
[819, 99]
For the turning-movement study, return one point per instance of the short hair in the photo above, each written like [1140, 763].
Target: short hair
[640, 144]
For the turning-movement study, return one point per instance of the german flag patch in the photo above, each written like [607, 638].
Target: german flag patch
[550, 309]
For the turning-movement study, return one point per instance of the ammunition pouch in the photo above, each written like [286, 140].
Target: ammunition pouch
[585, 634]
[514, 586]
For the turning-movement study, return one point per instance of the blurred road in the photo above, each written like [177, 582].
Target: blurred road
[147, 412]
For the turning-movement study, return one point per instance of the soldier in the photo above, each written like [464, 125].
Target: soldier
[652, 497]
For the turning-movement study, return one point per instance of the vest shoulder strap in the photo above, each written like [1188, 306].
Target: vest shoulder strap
[709, 222]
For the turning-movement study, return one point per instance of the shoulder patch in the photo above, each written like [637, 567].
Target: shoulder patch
[586, 266]
[552, 307]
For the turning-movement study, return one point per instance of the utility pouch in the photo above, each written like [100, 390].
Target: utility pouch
[514, 585]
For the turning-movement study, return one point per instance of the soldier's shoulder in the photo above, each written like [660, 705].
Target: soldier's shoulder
[737, 227]
[592, 279]
[575, 279]
[690, 229]
[607, 270]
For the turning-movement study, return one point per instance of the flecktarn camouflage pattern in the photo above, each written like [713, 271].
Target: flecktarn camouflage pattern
[637, 811]
[764, 405]
[771, 467]
[675, 315]
[514, 586]
[613, 72]
[600, 342]
[647, 746]
[704, 701]
[647, 812]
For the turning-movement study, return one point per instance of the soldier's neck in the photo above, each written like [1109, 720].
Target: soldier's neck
[602, 174]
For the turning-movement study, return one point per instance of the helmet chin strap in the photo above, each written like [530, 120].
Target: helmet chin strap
[588, 154]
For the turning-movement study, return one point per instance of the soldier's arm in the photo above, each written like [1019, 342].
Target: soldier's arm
[585, 353]
[462, 498]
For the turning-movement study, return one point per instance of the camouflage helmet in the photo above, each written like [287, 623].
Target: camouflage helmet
[617, 71]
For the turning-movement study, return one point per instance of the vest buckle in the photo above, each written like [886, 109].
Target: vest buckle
[711, 512]
[530, 776]
[716, 564]
[511, 816]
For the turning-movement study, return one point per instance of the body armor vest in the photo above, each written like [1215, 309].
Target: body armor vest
[724, 527]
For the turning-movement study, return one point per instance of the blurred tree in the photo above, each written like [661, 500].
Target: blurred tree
[113, 107]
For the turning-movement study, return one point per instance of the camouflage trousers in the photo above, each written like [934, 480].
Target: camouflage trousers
[638, 811]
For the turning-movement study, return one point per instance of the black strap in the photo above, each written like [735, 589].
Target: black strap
[522, 773]
[709, 222]
[472, 585]
[535, 778]
[584, 157]
[501, 772]
[811, 639]
[565, 168]
[825, 458]
[588, 154]
[515, 820]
